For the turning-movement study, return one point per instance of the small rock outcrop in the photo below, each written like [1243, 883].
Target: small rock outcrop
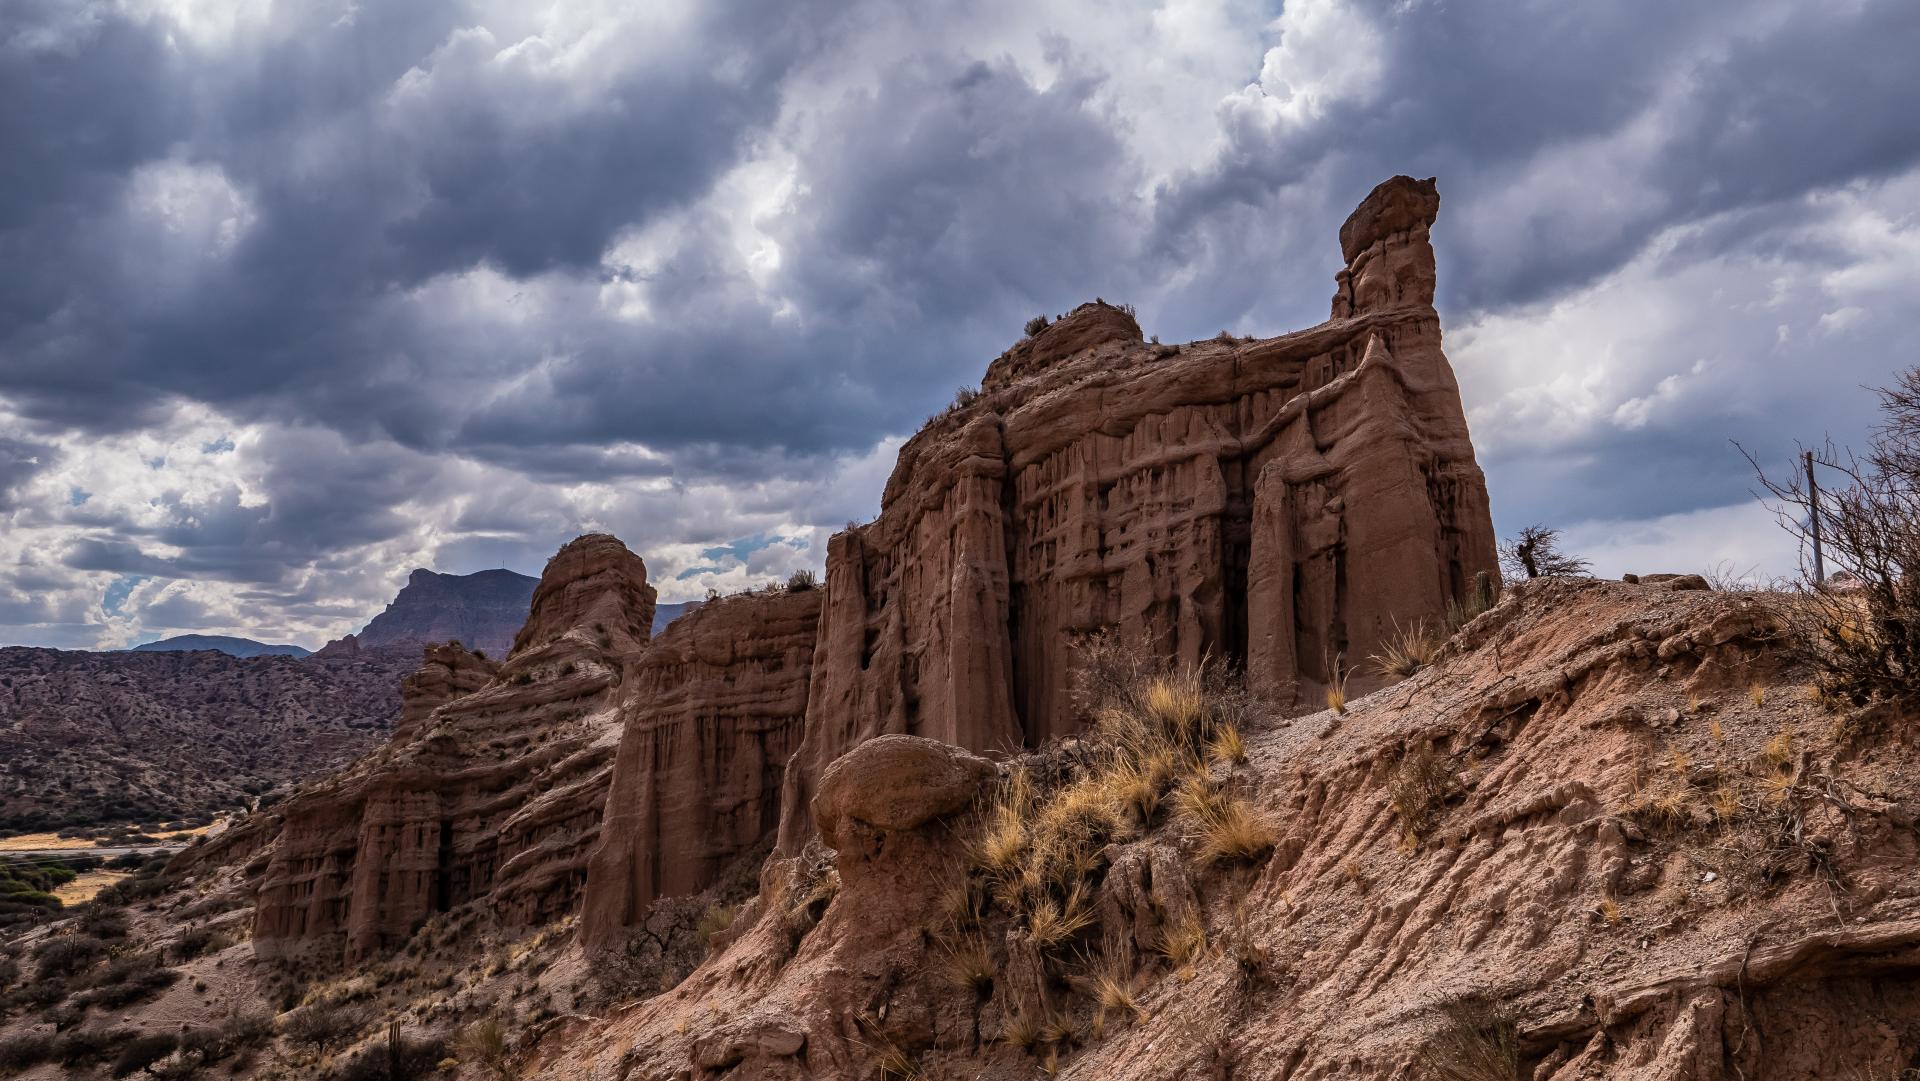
[1283, 504]
[491, 792]
[712, 710]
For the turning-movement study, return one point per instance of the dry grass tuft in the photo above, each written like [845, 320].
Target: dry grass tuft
[1726, 803]
[1184, 943]
[1022, 1031]
[1226, 747]
[1422, 781]
[1476, 1042]
[1406, 651]
[1779, 750]
[1052, 923]
[968, 964]
[1609, 910]
[1757, 693]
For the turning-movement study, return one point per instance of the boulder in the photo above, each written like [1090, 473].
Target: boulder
[895, 783]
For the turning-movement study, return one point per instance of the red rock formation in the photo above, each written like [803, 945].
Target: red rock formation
[1280, 503]
[493, 794]
[713, 711]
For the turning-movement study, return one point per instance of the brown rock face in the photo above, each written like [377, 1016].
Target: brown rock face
[493, 792]
[713, 711]
[1280, 503]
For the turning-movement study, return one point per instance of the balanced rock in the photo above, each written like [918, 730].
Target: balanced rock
[894, 783]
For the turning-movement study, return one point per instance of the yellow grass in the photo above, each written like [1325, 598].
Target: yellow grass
[83, 888]
[36, 842]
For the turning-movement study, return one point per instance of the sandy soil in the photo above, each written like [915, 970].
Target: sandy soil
[82, 889]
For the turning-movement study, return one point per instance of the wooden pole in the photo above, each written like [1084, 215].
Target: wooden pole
[1813, 521]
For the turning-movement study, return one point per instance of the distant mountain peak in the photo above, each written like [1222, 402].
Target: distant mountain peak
[230, 645]
[482, 611]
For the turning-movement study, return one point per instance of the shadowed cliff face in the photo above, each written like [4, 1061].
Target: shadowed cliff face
[481, 611]
[1281, 504]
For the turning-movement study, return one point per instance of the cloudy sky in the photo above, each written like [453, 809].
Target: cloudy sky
[295, 297]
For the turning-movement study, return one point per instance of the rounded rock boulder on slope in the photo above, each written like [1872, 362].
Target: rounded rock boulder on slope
[897, 782]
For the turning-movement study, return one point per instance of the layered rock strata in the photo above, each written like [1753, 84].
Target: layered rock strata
[713, 711]
[493, 794]
[1282, 504]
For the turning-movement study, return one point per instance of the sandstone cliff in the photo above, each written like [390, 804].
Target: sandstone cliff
[713, 711]
[1282, 504]
[492, 788]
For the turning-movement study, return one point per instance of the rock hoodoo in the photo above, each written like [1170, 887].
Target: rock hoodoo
[494, 793]
[1282, 503]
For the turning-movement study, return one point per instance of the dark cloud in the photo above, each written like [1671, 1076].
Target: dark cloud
[447, 280]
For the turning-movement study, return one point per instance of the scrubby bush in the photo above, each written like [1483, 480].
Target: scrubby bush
[20, 1053]
[84, 1046]
[143, 1051]
[67, 955]
[1535, 552]
[398, 1058]
[324, 1024]
[801, 581]
[1861, 632]
[212, 1043]
[104, 922]
[195, 941]
[1037, 324]
[127, 981]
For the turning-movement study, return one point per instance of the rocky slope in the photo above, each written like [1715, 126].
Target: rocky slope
[481, 611]
[145, 736]
[1605, 835]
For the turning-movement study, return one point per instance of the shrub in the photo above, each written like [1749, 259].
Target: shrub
[1406, 651]
[398, 1058]
[1476, 1042]
[801, 581]
[9, 971]
[1037, 324]
[211, 1043]
[104, 923]
[84, 1046]
[143, 1051]
[195, 941]
[21, 1053]
[67, 954]
[487, 1043]
[128, 990]
[324, 1025]
[715, 921]
[1535, 552]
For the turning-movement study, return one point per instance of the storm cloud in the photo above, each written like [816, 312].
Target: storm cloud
[300, 297]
